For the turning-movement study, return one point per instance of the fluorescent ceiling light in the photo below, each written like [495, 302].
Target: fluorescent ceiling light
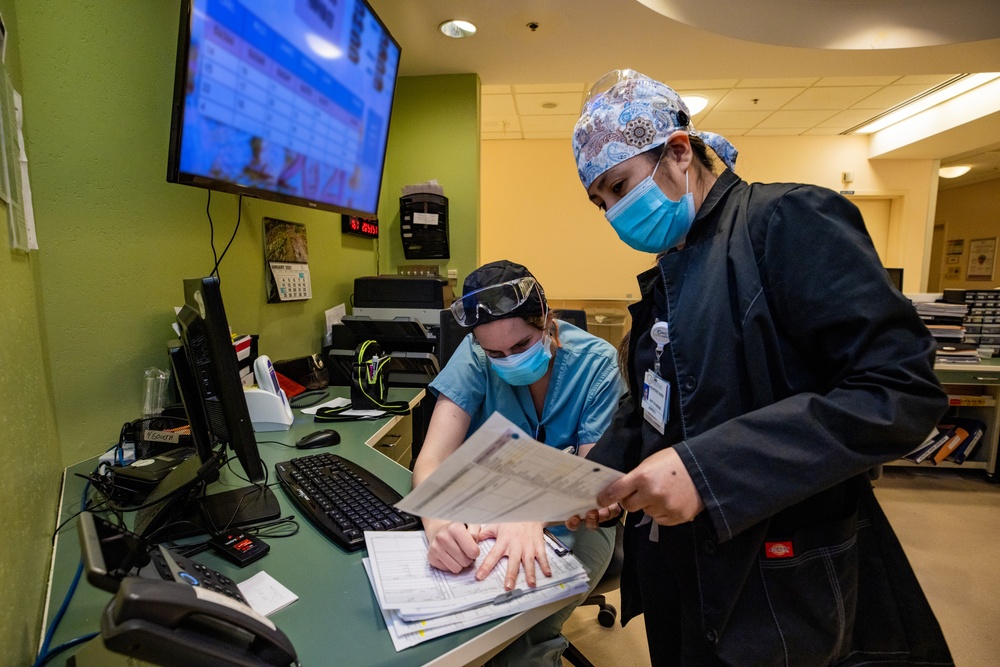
[458, 29]
[954, 172]
[695, 103]
[924, 103]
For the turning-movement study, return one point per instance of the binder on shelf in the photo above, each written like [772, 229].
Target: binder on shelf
[965, 449]
[958, 436]
[929, 446]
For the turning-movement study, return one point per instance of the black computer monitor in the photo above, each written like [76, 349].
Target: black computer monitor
[207, 377]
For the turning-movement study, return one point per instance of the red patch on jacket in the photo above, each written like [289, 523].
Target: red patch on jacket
[778, 550]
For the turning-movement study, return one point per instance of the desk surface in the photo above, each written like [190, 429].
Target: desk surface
[336, 613]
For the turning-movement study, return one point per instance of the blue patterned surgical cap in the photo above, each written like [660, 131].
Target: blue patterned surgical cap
[628, 113]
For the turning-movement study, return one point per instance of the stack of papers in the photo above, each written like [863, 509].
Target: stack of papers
[420, 602]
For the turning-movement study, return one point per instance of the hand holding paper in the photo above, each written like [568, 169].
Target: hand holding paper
[501, 475]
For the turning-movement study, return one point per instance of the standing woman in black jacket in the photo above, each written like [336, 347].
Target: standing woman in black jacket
[771, 365]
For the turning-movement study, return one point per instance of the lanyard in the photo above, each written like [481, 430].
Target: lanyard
[660, 333]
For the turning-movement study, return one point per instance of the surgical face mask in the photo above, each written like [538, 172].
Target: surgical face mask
[526, 367]
[648, 221]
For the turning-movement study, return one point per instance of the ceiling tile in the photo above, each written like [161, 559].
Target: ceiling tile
[890, 96]
[794, 119]
[756, 99]
[927, 80]
[566, 103]
[497, 105]
[776, 132]
[831, 98]
[742, 120]
[713, 84]
[802, 82]
[493, 89]
[520, 88]
[856, 81]
[822, 131]
[847, 119]
[548, 124]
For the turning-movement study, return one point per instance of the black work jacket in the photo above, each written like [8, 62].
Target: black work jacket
[796, 367]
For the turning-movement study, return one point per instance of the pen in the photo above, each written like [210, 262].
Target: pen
[556, 544]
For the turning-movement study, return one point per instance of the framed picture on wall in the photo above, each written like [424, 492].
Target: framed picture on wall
[982, 256]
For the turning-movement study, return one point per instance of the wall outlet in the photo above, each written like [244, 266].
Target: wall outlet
[453, 273]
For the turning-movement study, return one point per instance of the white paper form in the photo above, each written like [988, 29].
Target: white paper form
[405, 581]
[500, 474]
[405, 634]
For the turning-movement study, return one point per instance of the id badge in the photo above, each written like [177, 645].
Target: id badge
[656, 401]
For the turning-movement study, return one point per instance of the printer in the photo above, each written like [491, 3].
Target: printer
[406, 316]
[387, 297]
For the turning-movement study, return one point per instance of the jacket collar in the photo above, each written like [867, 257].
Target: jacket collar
[706, 222]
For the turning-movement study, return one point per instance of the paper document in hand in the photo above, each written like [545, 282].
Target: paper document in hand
[406, 582]
[500, 474]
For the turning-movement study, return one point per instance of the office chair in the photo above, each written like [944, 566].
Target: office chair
[450, 334]
[609, 582]
[577, 318]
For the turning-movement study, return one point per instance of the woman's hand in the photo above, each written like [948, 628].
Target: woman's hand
[523, 544]
[660, 486]
[594, 518]
[452, 546]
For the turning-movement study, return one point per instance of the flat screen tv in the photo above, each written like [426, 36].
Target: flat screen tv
[287, 100]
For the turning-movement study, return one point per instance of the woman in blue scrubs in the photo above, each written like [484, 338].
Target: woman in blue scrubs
[551, 379]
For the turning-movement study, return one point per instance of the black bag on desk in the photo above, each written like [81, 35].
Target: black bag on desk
[307, 371]
[369, 387]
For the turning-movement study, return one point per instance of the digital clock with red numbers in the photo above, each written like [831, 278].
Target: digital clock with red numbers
[352, 224]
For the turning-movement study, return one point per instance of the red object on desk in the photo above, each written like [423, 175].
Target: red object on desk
[290, 387]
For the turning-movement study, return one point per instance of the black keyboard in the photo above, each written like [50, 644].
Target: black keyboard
[342, 499]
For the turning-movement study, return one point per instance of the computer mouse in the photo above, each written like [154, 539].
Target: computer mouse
[325, 438]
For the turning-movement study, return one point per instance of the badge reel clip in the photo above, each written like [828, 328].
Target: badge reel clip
[656, 390]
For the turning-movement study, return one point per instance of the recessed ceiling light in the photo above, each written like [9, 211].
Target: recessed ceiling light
[549, 105]
[458, 29]
[954, 172]
[695, 103]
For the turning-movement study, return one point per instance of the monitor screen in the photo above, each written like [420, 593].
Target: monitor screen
[207, 376]
[211, 356]
[284, 99]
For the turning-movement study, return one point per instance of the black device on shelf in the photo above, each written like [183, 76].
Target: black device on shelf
[208, 380]
[283, 101]
[342, 499]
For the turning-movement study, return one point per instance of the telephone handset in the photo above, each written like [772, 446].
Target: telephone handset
[172, 624]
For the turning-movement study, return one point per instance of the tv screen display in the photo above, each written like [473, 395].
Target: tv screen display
[286, 100]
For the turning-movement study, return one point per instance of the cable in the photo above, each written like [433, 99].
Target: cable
[211, 230]
[239, 216]
[275, 442]
[44, 654]
[316, 395]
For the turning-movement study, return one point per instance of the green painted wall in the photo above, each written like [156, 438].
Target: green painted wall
[90, 310]
[435, 135]
[30, 476]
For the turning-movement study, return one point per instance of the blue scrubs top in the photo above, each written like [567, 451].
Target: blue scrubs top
[583, 392]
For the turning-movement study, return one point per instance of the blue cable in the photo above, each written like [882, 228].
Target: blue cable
[44, 655]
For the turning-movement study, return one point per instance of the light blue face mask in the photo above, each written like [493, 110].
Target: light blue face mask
[648, 221]
[526, 367]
